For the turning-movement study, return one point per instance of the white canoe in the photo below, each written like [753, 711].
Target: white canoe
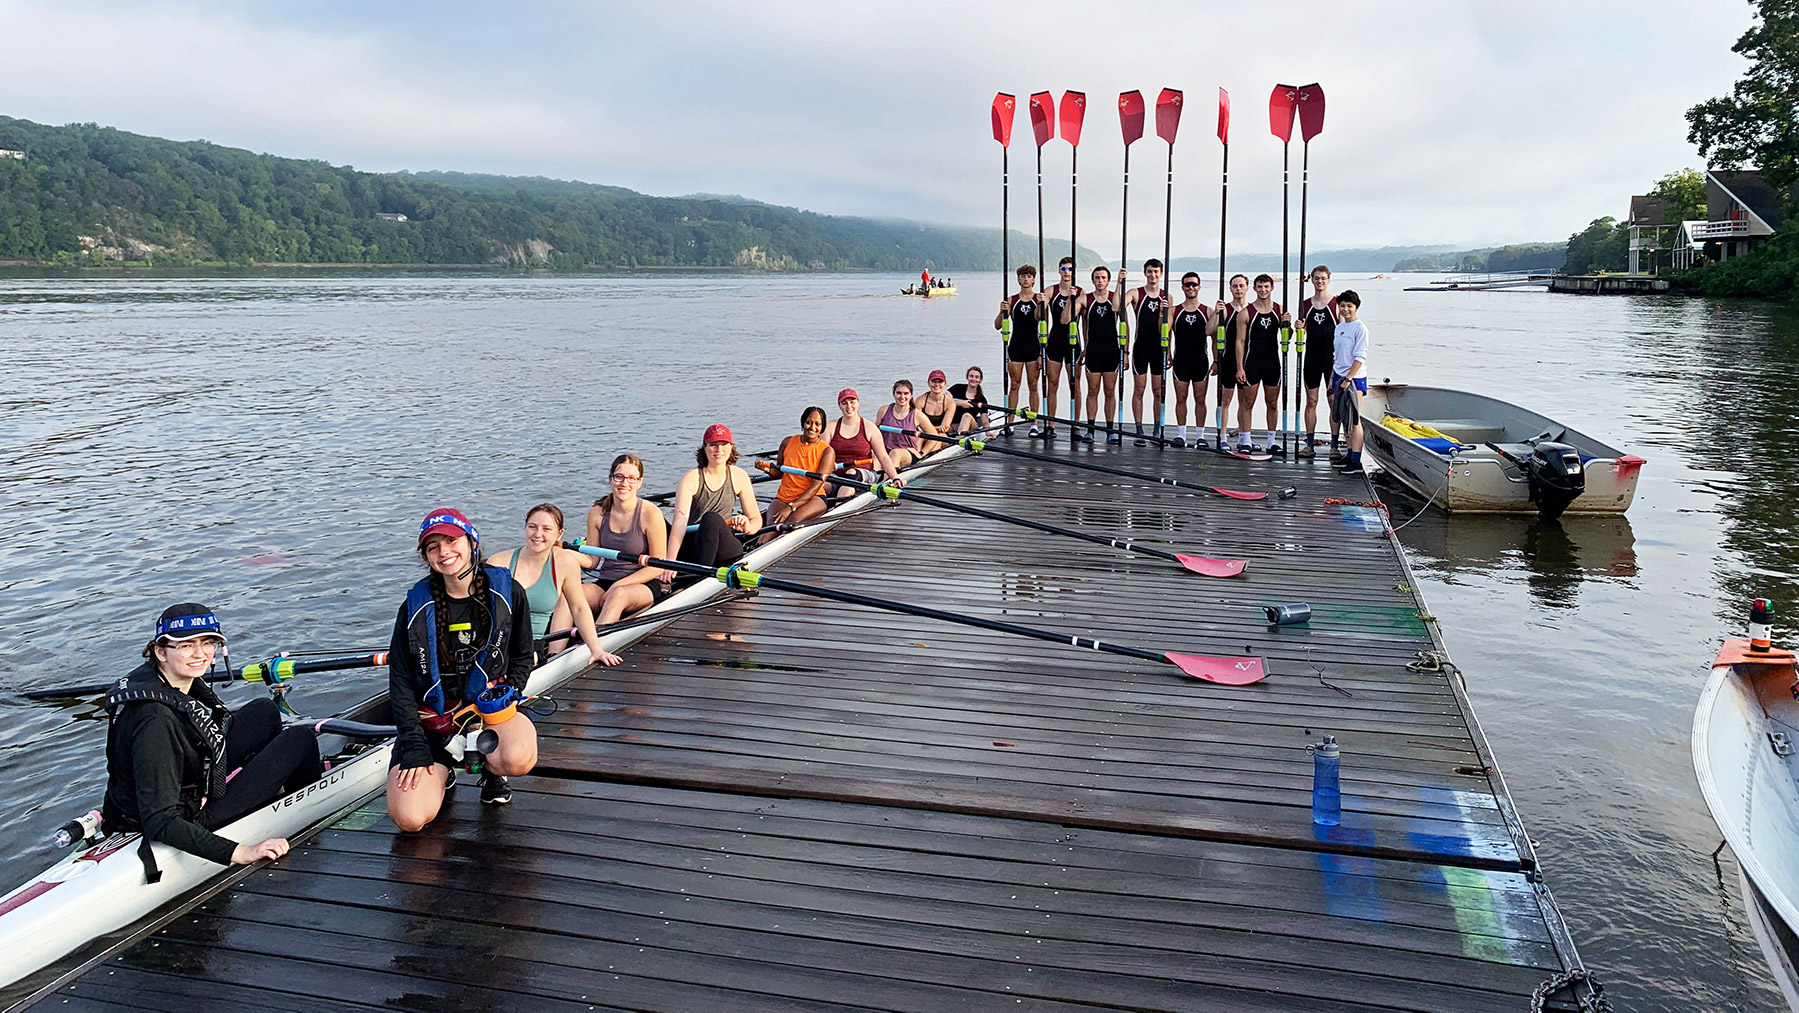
[1472, 477]
[96, 892]
[1745, 731]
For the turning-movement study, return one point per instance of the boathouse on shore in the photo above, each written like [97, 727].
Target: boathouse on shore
[1742, 211]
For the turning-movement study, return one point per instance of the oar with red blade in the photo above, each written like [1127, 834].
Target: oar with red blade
[1043, 128]
[1202, 565]
[1130, 121]
[976, 446]
[1168, 121]
[1225, 671]
[1224, 210]
[1004, 108]
[1311, 123]
[1074, 110]
[1282, 111]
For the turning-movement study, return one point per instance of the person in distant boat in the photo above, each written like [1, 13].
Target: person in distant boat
[905, 449]
[1318, 318]
[1349, 376]
[936, 403]
[1063, 351]
[1148, 359]
[1224, 315]
[971, 402]
[857, 444]
[719, 498]
[626, 522]
[180, 764]
[1259, 362]
[461, 651]
[1024, 350]
[798, 499]
[1103, 347]
[1191, 336]
[551, 577]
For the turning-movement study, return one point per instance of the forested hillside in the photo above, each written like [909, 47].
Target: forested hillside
[90, 194]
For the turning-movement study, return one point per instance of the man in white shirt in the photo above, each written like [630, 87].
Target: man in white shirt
[1349, 376]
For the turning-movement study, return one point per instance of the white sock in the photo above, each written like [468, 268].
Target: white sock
[1183, 432]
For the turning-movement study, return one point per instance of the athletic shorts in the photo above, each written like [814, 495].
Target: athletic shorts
[1227, 367]
[1146, 357]
[1262, 369]
[1317, 367]
[1361, 382]
[439, 754]
[1022, 348]
[1102, 355]
[1187, 371]
[1059, 350]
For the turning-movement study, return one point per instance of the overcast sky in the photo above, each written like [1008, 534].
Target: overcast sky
[1460, 123]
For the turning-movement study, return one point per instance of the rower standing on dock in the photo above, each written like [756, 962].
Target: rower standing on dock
[1099, 314]
[1259, 363]
[1148, 360]
[1349, 377]
[1024, 352]
[1225, 316]
[1063, 350]
[180, 764]
[1191, 335]
[461, 647]
[1318, 317]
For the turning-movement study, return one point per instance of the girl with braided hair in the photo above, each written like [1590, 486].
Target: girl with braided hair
[462, 639]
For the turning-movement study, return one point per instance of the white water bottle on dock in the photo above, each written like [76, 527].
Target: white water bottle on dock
[1327, 792]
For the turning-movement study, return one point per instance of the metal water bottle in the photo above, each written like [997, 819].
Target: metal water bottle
[1327, 793]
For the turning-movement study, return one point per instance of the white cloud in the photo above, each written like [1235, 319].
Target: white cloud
[1447, 123]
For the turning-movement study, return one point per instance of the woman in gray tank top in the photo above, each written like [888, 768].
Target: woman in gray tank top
[621, 520]
[718, 497]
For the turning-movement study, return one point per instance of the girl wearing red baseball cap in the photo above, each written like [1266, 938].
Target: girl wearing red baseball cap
[718, 497]
[857, 443]
[461, 639]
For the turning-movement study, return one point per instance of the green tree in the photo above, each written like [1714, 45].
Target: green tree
[1758, 125]
[1602, 246]
[1682, 194]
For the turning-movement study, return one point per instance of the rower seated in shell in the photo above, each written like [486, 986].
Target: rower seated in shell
[551, 577]
[906, 449]
[971, 403]
[180, 764]
[858, 446]
[460, 654]
[797, 498]
[718, 497]
[631, 525]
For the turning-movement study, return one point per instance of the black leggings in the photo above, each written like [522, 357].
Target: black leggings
[714, 544]
[270, 762]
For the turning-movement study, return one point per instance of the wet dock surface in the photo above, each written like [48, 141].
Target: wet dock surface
[787, 803]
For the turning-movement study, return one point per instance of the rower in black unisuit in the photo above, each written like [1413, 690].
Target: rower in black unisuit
[1191, 338]
[1146, 351]
[1024, 346]
[1102, 337]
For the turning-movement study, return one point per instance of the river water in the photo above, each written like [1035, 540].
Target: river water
[266, 445]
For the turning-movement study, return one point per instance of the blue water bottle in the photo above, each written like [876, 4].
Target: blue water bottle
[1327, 793]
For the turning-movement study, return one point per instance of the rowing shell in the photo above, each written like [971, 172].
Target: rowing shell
[99, 891]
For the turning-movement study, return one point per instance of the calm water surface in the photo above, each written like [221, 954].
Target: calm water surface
[266, 445]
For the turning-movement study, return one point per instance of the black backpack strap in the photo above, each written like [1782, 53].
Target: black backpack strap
[147, 855]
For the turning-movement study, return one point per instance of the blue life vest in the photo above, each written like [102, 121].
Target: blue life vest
[490, 662]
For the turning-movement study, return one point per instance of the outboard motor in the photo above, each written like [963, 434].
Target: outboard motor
[1557, 478]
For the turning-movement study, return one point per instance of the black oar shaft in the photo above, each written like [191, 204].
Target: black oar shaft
[978, 446]
[750, 579]
[1033, 416]
[896, 493]
[252, 672]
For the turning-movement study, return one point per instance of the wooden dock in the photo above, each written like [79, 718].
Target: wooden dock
[1608, 284]
[784, 803]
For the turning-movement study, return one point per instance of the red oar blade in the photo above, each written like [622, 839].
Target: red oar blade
[1281, 111]
[1168, 114]
[1074, 110]
[1130, 115]
[1224, 116]
[1311, 111]
[1004, 107]
[1043, 117]
[1237, 493]
[1211, 567]
[1226, 671]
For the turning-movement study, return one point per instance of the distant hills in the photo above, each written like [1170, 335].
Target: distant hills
[86, 194]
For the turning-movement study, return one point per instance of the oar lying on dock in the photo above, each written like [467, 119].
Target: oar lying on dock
[977, 446]
[283, 669]
[1032, 416]
[1198, 564]
[1227, 671]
